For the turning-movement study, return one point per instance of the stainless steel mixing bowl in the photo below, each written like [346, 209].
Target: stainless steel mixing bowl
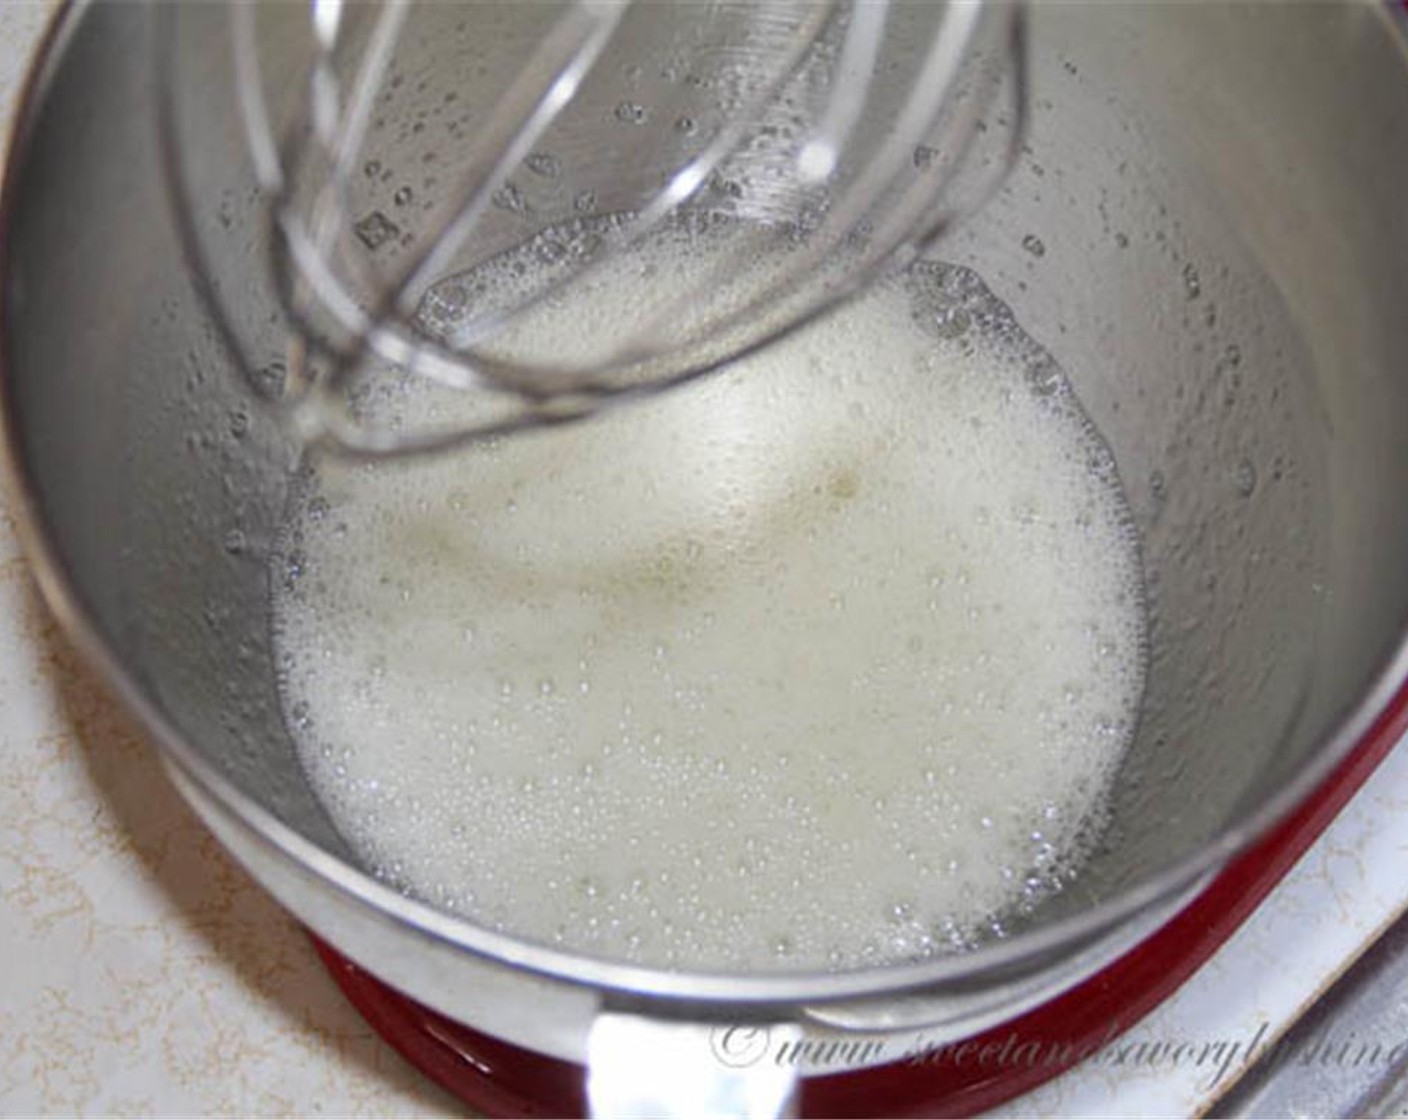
[1207, 231]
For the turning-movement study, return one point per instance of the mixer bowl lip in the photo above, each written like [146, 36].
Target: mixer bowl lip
[67, 600]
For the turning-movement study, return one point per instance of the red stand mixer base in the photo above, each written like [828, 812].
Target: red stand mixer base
[498, 1079]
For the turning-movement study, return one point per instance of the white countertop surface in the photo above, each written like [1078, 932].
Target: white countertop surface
[144, 973]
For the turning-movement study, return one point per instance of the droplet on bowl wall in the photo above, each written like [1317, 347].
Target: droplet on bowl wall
[1192, 282]
[510, 197]
[544, 164]
[270, 379]
[375, 230]
[1244, 476]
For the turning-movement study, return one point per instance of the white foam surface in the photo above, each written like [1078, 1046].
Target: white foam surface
[825, 661]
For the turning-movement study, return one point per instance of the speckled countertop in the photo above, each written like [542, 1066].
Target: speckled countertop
[142, 972]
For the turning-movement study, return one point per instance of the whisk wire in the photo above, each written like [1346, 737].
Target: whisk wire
[681, 186]
[348, 316]
[526, 110]
[928, 94]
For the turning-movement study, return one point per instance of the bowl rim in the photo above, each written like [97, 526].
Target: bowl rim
[67, 602]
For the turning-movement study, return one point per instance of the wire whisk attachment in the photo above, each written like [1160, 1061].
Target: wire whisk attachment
[523, 213]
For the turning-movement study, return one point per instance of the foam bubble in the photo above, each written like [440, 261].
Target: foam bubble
[826, 661]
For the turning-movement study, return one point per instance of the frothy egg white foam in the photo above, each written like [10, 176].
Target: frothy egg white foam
[826, 661]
